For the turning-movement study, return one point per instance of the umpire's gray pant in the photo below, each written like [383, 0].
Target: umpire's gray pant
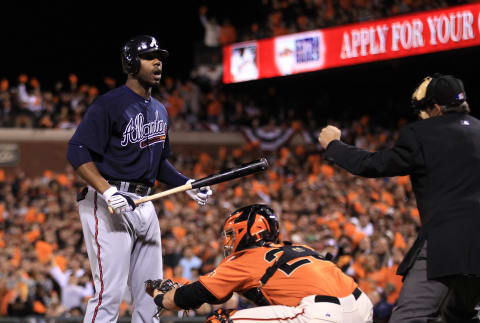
[421, 300]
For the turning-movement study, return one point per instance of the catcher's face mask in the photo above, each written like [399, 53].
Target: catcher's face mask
[249, 227]
[228, 242]
[233, 233]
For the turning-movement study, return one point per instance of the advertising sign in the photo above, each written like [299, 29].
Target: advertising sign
[391, 38]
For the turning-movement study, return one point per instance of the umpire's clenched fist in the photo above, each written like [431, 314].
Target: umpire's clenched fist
[328, 134]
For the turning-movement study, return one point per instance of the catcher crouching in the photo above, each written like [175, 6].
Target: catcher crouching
[287, 282]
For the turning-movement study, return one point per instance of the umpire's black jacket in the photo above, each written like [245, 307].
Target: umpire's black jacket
[442, 156]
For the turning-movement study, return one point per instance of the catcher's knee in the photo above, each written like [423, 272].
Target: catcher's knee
[220, 316]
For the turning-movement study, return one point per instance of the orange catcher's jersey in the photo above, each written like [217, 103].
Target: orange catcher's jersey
[300, 277]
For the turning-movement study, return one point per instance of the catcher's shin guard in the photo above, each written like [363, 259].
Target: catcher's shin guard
[220, 316]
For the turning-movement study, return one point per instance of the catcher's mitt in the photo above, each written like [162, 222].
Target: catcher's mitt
[163, 286]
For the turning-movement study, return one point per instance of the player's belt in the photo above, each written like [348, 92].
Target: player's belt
[331, 299]
[131, 187]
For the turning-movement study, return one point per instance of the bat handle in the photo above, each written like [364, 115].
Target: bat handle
[110, 209]
[174, 190]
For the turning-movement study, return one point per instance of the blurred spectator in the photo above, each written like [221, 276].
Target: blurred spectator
[227, 33]
[178, 275]
[363, 224]
[210, 74]
[212, 29]
[382, 309]
[55, 308]
[30, 100]
[382, 250]
[19, 303]
[74, 295]
[189, 262]
[75, 285]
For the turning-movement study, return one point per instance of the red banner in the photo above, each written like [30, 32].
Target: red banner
[391, 38]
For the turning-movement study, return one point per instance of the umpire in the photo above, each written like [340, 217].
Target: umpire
[441, 153]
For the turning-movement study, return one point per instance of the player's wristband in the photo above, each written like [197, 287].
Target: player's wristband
[109, 192]
[159, 300]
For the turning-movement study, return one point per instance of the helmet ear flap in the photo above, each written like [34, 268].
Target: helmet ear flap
[130, 63]
[250, 221]
[135, 67]
[270, 234]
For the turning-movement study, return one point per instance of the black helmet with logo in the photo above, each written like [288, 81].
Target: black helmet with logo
[135, 48]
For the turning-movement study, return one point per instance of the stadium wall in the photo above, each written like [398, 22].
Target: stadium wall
[37, 150]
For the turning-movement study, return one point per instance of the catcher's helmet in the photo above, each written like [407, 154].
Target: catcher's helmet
[444, 90]
[135, 48]
[248, 227]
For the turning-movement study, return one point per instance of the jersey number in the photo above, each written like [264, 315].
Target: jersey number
[287, 269]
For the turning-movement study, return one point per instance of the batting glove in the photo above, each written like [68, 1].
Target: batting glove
[200, 195]
[120, 203]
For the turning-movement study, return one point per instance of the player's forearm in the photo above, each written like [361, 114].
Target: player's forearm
[79, 156]
[168, 301]
[187, 297]
[168, 174]
[89, 173]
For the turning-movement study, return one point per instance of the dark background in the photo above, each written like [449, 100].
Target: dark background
[51, 40]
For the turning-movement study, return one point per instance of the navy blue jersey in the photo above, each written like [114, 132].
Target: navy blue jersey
[126, 135]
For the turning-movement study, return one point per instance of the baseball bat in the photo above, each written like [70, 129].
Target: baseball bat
[223, 176]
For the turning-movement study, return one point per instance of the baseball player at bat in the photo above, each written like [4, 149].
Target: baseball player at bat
[289, 283]
[120, 148]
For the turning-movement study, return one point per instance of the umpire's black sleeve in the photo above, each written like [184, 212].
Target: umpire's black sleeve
[402, 159]
[194, 295]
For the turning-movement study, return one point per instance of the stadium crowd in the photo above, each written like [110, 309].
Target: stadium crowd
[367, 224]
[190, 103]
[199, 102]
[280, 17]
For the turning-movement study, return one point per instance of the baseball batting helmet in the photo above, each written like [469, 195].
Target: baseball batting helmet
[250, 226]
[135, 48]
[444, 90]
